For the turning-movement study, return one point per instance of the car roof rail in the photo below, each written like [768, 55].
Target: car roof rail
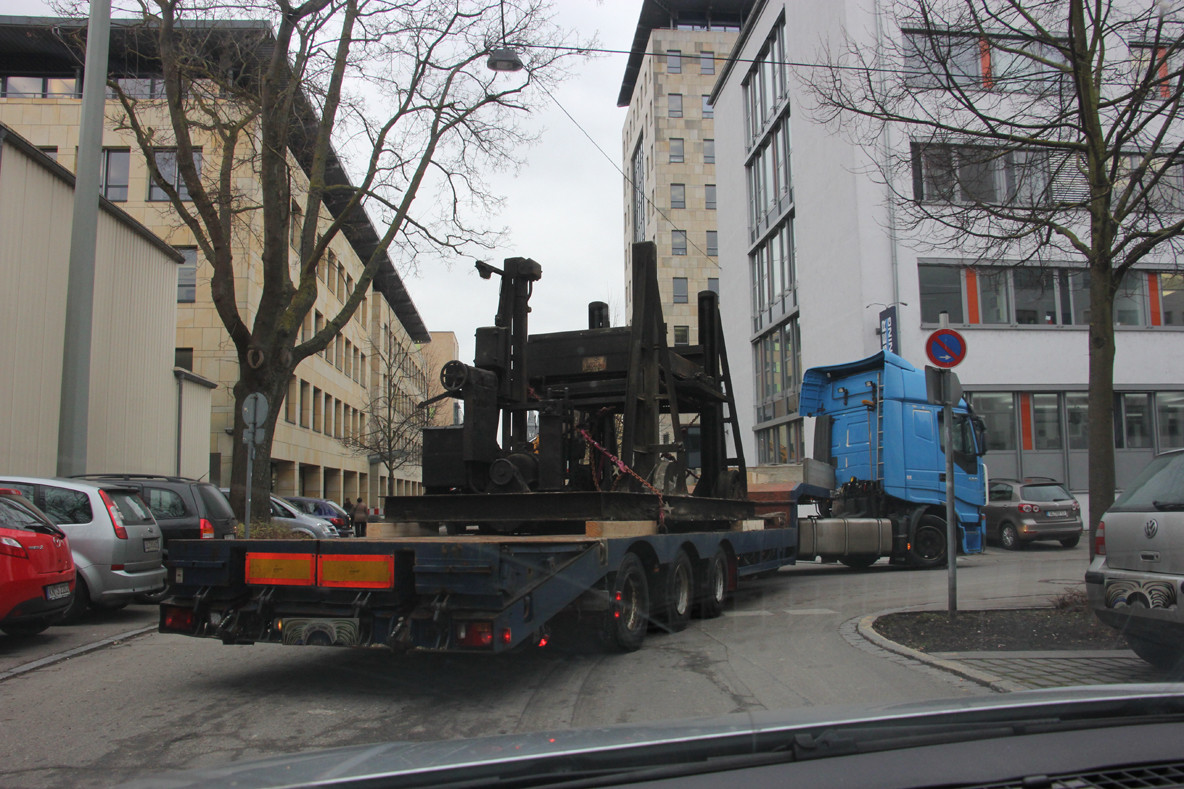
[160, 477]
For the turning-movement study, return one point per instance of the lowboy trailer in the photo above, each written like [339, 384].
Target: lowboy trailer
[591, 516]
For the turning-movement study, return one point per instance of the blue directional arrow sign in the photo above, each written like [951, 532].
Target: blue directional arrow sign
[945, 348]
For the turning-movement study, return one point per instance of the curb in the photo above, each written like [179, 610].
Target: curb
[997, 684]
[69, 653]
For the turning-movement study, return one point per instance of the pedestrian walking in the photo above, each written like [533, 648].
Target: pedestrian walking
[359, 513]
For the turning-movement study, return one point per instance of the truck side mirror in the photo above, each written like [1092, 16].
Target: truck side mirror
[980, 435]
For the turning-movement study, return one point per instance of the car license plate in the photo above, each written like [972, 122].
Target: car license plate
[1057, 513]
[151, 544]
[57, 591]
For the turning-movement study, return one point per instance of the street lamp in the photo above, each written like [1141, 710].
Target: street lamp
[503, 58]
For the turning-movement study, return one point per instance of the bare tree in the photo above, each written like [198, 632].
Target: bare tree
[239, 133]
[1041, 131]
[394, 423]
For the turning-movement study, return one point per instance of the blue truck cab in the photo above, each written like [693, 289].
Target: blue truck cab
[885, 440]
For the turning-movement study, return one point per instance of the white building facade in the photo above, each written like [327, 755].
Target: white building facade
[812, 252]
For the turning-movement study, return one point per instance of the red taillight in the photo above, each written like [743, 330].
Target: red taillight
[207, 529]
[116, 518]
[1076, 507]
[475, 634]
[507, 636]
[1100, 539]
[10, 547]
[10, 492]
[338, 522]
[1030, 508]
[178, 620]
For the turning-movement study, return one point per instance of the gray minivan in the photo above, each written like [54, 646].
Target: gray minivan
[1136, 579]
[113, 537]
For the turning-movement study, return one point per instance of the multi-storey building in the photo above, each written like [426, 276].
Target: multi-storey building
[40, 84]
[809, 242]
[668, 148]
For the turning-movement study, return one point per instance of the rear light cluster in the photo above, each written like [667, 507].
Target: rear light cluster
[116, 518]
[207, 529]
[177, 620]
[1100, 539]
[479, 634]
[338, 522]
[1030, 508]
[9, 546]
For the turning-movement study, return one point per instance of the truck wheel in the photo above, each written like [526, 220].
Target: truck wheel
[860, 562]
[628, 612]
[679, 596]
[1162, 656]
[1009, 538]
[929, 542]
[715, 586]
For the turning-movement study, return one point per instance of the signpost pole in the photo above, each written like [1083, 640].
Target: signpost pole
[951, 514]
[249, 438]
[254, 418]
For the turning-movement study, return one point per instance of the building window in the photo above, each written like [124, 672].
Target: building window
[296, 218]
[292, 401]
[1076, 419]
[673, 61]
[1035, 296]
[637, 171]
[113, 177]
[708, 110]
[680, 290]
[777, 361]
[678, 242]
[997, 410]
[709, 152]
[941, 291]
[713, 283]
[49, 150]
[709, 197]
[39, 87]
[682, 335]
[981, 175]
[139, 88]
[938, 59]
[1132, 420]
[1046, 421]
[187, 276]
[674, 104]
[1169, 408]
[1171, 294]
[183, 358]
[166, 162]
[676, 146]
[678, 196]
[706, 62]
[713, 242]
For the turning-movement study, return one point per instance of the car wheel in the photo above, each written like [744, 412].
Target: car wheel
[79, 602]
[1009, 538]
[30, 628]
[628, 613]
[929, 542]
[1071, 542]
[1162, 656]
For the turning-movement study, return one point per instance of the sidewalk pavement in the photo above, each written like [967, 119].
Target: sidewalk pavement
[1006, 671]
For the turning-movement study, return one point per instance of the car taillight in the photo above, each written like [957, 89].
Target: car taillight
[116, 518]
[1030, 508]
[338, 522]
[1100, 539]
[207, 529]
[10, 547]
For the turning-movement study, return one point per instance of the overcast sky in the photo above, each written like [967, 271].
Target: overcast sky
[563, 209]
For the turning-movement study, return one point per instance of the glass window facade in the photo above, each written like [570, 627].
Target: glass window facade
[187, 276]
[678, 196]
[678, 242]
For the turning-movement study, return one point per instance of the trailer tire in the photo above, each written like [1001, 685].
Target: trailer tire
[628, 615]
[679, 593]
[715, 586]
[929, 542]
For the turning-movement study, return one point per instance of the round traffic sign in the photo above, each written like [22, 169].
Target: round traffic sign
[945, 348]
[255, 409]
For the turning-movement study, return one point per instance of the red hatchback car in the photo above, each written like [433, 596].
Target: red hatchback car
[36, 569]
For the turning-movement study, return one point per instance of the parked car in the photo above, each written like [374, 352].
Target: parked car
[113, 537]
[284, 513]
[185, 509]
[36, 569]
[1037, 508]
[325, 510]
[1134, 582]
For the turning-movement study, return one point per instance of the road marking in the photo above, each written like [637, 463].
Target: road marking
[809, 611]
[748, 613]
[69, 653]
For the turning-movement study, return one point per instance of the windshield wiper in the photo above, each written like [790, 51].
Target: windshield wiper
[1168, 506]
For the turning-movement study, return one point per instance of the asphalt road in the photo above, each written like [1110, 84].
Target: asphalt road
[118, 707]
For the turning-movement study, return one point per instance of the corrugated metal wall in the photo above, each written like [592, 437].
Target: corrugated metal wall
[133, 392]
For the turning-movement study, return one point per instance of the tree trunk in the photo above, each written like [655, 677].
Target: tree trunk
[1101, 396]
[273, 384]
